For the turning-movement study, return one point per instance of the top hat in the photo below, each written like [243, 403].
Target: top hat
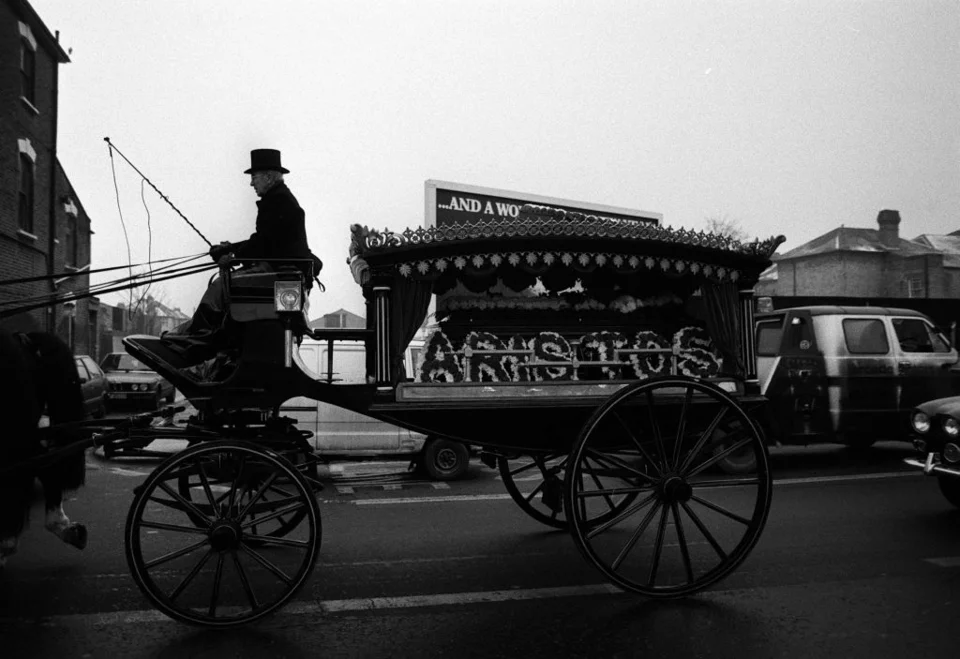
[265, 159]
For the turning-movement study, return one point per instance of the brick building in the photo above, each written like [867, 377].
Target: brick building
[868, 263]
[44, 229]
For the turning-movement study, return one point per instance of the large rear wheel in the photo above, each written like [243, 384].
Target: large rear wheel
[230, 553]
[656, 440]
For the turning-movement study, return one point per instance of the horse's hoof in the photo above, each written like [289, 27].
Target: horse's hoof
[76, 535]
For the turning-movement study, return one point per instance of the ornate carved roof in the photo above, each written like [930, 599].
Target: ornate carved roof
[544, 221]
[545, 234]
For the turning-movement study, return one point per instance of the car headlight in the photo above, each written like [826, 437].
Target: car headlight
[920, 422]
[951, 426]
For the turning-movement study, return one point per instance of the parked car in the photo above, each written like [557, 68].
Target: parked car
[131, 381]
[850, 375]
[935, 427]
[94, 386]
[342, 434]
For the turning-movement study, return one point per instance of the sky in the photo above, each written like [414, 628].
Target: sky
[783, 117]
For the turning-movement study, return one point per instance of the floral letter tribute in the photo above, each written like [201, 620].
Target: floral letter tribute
[654, 363]
[599, 347]
[697, 355]
[515, 364]
[485, 368]
[440, 363]
[551, 347]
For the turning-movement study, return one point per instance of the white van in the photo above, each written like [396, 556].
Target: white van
[341, 433]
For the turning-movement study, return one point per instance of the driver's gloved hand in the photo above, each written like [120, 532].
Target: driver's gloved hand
[219, 251]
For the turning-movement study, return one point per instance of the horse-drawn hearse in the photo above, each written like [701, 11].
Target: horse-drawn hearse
[604, 366]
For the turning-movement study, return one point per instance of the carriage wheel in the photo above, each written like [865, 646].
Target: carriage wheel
[691, 524]
[190, 487]
[542, 475]
[544, 472]
[222, 561]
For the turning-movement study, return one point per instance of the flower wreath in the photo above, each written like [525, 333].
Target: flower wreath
[600, 346]
[697, 354]
[514, 364]
[650, 364]
[440, 363]
[552, 347]
[485, 368]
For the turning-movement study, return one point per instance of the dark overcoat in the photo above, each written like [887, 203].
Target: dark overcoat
[280, 232]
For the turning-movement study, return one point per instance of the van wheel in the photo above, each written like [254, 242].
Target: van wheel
[950, 486]
[738, 462]
[444, 459]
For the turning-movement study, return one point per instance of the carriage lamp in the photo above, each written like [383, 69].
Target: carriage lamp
[920, 422]
[287, 295]
[951, 427]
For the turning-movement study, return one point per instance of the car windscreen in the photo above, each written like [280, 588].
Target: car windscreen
[118, 362]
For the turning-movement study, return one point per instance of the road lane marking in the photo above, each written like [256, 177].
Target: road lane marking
[328, 607]
[463, 498]
[945, 561]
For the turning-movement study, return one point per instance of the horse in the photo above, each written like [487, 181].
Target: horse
[38, 377]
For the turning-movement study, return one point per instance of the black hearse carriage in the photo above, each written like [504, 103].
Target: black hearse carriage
[605, 366]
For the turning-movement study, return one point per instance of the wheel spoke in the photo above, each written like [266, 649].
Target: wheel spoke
[651, 406]
[259, 493]
[636, 442]
[266, 518]
[175, 554]
[612, 461]
[635, 537]
[188, 505]
[215, 592]
[247, 586]
[600, 528]
[718, 457]
[682, 541]
[736, 482]
[703, 529]
[658, 550]
[280, 574]
[172, 527]
[600, 489]
[613, 491]
[232, 494]
[206, 488]
[535, 491]
[271, 540]
[707, 434]
[681, 427]
[190, 577]
[720, 509]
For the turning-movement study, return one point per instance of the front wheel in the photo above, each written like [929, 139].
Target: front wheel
[656, 441]
[219, 558]
[950, 486]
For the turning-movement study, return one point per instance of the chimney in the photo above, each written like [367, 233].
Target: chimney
[889, 222]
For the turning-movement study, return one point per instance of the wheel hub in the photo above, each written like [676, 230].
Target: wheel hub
[224, 536]
[675, 489]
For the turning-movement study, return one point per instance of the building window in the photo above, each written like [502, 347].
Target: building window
[118, 319]
[915, 287]
[28, 72]
[71, 240]
[26, 193]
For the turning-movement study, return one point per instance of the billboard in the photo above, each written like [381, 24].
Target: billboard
[448, 203]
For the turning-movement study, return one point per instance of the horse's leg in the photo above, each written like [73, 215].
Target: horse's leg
[57, 522]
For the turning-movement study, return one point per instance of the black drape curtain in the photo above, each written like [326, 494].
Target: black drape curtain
[409, 302]
[722, 305]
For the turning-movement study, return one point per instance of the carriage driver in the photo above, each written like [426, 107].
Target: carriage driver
[280, 233]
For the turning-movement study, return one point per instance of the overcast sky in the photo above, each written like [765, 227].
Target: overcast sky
[789, 117]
